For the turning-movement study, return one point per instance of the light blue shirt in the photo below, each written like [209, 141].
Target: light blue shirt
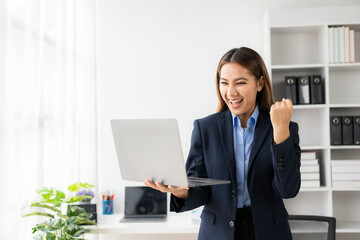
[243, 139]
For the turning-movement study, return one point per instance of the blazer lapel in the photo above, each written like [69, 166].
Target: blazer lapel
[226, 134]
[263, 125]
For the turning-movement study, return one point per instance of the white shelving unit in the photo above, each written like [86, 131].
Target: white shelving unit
[296, 43]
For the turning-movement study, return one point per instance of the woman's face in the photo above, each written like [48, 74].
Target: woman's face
[238, 88]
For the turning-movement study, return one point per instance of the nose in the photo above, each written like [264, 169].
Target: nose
[232, 91]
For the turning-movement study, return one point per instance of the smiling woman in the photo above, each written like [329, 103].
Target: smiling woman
[238, 89]
[248, 62]
[250, 142]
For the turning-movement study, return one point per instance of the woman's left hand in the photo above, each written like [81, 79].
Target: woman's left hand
[280, 115]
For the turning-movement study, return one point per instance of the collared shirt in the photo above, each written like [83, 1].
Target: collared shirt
[243, 139]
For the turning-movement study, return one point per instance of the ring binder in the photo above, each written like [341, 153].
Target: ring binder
[357, 130]
[303, 89]
[316, 89]
[290, 88]
[347, 131]
[335, 130]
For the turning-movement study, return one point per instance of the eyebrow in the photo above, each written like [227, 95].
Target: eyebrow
[241, 78]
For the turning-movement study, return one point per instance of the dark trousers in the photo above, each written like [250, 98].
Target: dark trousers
[244, 226]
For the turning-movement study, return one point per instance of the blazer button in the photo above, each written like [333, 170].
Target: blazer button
[233, 194]
[231, 223]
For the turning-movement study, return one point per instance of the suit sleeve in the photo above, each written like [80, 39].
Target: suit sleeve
[195, 166]
[286, 164]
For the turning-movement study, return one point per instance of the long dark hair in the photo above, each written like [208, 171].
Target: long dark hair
[252, 61]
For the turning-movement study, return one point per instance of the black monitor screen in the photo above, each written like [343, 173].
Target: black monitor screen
[142, 201]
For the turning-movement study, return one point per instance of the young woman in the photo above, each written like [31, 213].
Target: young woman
[249, 141]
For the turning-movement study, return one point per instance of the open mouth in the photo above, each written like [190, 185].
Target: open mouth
[235, 103]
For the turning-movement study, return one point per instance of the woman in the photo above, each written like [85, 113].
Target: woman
[249, 141]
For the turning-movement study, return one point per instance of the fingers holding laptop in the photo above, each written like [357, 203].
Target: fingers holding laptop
[180, 192]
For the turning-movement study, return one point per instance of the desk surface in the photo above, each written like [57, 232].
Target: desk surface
[176, 223]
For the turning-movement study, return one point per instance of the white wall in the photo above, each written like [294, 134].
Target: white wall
[157, 59]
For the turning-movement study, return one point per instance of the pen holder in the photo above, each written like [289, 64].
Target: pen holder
[108, 207]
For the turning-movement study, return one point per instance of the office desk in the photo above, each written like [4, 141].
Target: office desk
[176, 226]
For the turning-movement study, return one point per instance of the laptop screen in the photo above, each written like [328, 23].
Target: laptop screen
[144, 202]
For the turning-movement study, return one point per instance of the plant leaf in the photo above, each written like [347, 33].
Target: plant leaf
[49, 226]
[60, 194]
[75, 230]
[40, 237]
[87, 222]
[80, 221]
[77, 186]
[39, 214]
[41, 205]
[51, 195]
[50, 236]
[76, 211]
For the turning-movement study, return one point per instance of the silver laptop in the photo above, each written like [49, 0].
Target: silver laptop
[144, 204]
[151, 149]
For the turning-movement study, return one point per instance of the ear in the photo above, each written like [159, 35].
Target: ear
[260, 84]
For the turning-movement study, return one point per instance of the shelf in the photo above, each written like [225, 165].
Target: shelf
[347, 227]
[318, 147]
[351, 105]
[296, 29]
[320, 189]
[344, 66]
[304, 43]
[346, 206]
[278, 78]
[344, 85]
[310, 106]
[345, 147]
[297, 66]
[300, 46]
[345, 190]
[312, 121]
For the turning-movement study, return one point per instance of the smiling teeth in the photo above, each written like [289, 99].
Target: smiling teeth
[235, 101]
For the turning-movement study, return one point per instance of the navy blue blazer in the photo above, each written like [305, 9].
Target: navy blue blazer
[274, 174]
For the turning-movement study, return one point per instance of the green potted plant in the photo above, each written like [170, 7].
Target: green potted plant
[61, 225]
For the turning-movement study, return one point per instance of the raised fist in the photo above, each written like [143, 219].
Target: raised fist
[280, 115]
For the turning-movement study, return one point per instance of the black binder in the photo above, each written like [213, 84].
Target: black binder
[347, 130]
[335, 130]
[357, 130]
[316, 90]
[290, 88]
[303, 83]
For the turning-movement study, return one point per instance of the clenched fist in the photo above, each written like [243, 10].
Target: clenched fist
[280, 115]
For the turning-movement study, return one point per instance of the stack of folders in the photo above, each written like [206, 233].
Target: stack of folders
[341, 44]
[310, 170]
[345, 173]
[345, 130]
[305, 89]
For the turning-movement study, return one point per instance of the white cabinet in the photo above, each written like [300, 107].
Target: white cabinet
[296, 43]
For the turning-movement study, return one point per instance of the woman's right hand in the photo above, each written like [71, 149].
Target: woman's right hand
[180, 192]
